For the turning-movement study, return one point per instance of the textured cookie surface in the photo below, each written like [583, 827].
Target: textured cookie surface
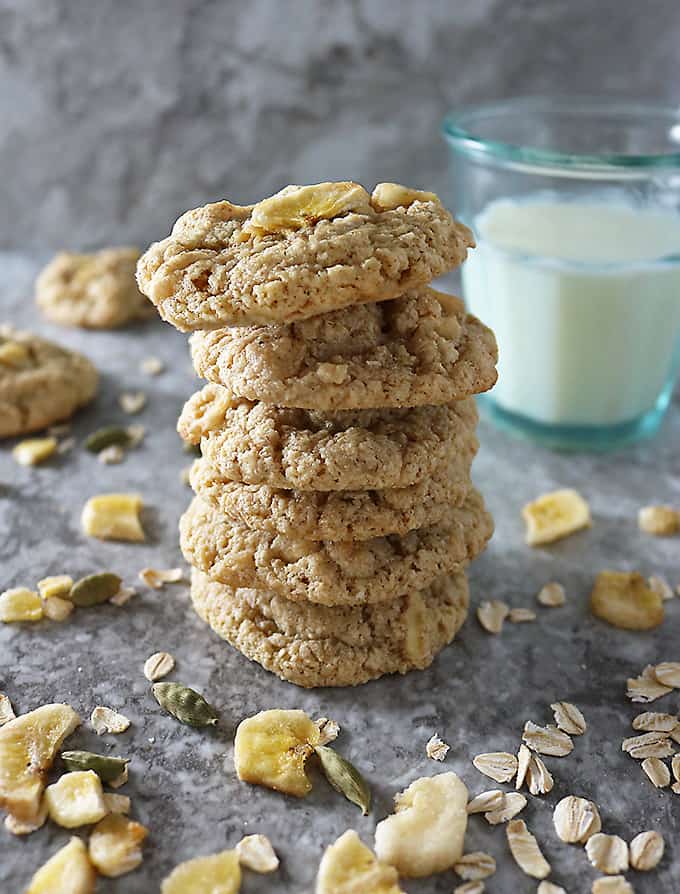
[219, 267]
[313, 645]
[338, 515]
[40, 382]
[258, 443]
[331, 572]
[95, 291]
[416, 350]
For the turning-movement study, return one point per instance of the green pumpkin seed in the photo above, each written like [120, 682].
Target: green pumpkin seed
[187, 705]
[107, 768]
[344, 777]
[94, 589]
[191, 449]
[108, 436]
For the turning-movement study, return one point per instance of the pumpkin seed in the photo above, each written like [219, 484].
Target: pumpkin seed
[95, 589]
[108, 436]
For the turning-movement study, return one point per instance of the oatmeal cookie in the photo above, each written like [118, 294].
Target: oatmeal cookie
[258, 443]
[305, 251]
[332, 572]
[343, 514]
[313, 645]
[419, 349]
[40, 382]
[93, 291]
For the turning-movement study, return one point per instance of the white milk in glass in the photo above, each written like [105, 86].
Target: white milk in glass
[585, 309]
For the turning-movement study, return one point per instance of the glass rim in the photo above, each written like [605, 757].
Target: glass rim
[458, 130]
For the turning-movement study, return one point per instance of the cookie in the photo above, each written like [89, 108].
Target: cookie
[93, 291]
[305, 251]
[416, 350]
[258, 443]
[313, 645]
[338, 515]
[40, 382]
[332, 572]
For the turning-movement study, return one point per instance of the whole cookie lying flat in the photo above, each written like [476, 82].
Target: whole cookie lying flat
[40, 382]
[306, 250]
[313, 645]
[343, 514]
[416, 350]
[258, 443]
[94, 291]
[331, 572]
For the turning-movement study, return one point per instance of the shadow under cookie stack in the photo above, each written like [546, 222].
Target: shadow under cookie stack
[334, 514]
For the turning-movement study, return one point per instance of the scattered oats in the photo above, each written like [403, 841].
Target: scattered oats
[675, 788]
[132, 401]
[111, 455]
[116, 803]
[123, 595]
[668, 674]
[608, 853]
[66, 445]
[328, 730]
[653, 721]
[576, 820]
[256, 852]
[475, 866]
[615, 884]
[106, 720]
[539, 778]
[549, 888]
[647, 745]
[57, 609]
[470, 888]
[491, 615]
[513, 804]
[152, 366]
[151, 740]
[645, 688]
[6, 709]
[158, 577]
[519, 615]
[523, 759]
[661, 586]
[552, 595]
[659, 520]
[135, 434]
[120, 780]
[547, 739]
[657, 772]
[498, 765]
[185, 475]
[524, 848]
[675, 766]
[436, 748]
[158, 666]
[58, 431]
[568, 718]
[487, 801]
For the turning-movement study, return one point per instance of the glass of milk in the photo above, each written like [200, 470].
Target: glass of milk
[575, 206]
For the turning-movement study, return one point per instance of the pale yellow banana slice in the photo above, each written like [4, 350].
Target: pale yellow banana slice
[216, 874]
[69, 871]
[271, 749]
[349, 867]
[555, 515]
[77, 799]
[115, 845]
[28, 745]
[426, 833]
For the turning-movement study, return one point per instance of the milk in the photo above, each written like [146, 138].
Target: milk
[584, 299]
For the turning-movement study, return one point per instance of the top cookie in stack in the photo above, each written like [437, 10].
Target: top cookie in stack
[334, 514]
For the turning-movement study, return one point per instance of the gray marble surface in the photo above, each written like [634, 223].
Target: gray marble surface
[477, 695]
[116, 116]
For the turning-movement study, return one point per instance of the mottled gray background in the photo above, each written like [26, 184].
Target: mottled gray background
[116, 115]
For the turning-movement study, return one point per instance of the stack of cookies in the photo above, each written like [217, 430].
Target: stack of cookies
[334, 514]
